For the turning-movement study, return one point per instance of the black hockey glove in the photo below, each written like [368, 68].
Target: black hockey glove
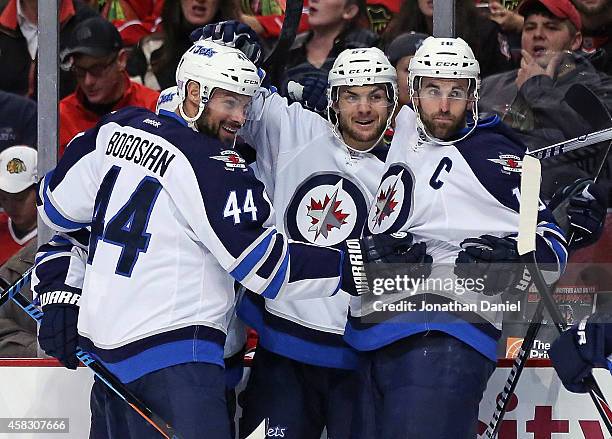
[314, 95]
[232, 33]
[366, 258]
[581, 208]
[581, 348]
[492, 264]
[58, 334]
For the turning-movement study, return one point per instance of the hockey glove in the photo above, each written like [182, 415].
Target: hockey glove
[492, 263]
[365, 257]
[314, 95]
[582, 206]
[59, 297]
[581, 348]
[234, 34]
[58, 334]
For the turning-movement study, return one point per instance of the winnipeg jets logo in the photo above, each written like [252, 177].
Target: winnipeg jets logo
[326, 210]
[232, 160]
[509, 163]
[385, 201]
[326, 215]
[393, 201]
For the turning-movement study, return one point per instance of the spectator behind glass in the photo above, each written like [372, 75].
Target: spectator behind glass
[484, 36]
[18, 177]
[17, 121]
[134, 19]
[597, 32]
[335, 25]
[154, 61]
[532, 99]
[400, 51]
[19, 43]
[96, 57]
[17, 329]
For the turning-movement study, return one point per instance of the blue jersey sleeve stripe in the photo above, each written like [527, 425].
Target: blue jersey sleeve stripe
[252, 258]
[553, 229]
[267, 268]
[559, 251]
[277, 282]
[53, 214]
[323, 266]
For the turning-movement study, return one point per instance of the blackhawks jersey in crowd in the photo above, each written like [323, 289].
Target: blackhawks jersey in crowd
[171, 213]
[443, 195]
[321, 192]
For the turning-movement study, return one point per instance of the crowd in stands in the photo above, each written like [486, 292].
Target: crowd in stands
[118, 53]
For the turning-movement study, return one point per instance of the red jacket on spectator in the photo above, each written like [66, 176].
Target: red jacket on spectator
[134, 19]
[18, 73]
[75, 117]
[9, 243]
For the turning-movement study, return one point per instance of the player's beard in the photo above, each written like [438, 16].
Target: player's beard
[442, 131]
[371, 136]
[205, 126]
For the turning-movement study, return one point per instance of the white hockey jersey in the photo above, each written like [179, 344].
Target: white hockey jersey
[321, 193]
[443, 195]
[171, 213]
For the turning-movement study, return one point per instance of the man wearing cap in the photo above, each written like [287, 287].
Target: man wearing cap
[19, 43]
[18, 179]
[531, 98]
[95, 55]
[400, 51]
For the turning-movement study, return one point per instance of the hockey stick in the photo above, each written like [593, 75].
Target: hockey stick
[582, 99]
[526, 248]
[98, 369]
[293, 13]
[16, 286]
[530, 184]
[572, 144]
[584, 102]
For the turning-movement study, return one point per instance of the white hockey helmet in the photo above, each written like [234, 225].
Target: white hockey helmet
[168, 100]
[358, 67]
[446, 58]
[213, 65]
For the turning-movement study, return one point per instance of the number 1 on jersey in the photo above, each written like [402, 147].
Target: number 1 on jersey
[127, 228]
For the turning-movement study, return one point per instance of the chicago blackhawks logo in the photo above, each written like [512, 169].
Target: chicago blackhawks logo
[393, 200]
[15, 166]
[325, 210]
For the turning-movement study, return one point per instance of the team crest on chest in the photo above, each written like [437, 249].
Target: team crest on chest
[232, 160]
[325, 210]
[509, 163]
[392, 202]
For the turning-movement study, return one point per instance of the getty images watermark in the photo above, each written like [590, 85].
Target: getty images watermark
[459, 292]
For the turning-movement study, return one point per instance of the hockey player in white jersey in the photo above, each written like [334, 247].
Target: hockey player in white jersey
[321, 176]
[172, 211]
[451, 181]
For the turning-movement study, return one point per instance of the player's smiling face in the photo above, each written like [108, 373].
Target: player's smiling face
[442, 105]
[362, 113]
[224, 114]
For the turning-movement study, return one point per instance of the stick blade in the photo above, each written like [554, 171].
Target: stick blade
[259, 432]
[530, 196]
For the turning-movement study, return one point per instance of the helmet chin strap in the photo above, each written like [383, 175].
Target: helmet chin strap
[423, 130]
[191, 120]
